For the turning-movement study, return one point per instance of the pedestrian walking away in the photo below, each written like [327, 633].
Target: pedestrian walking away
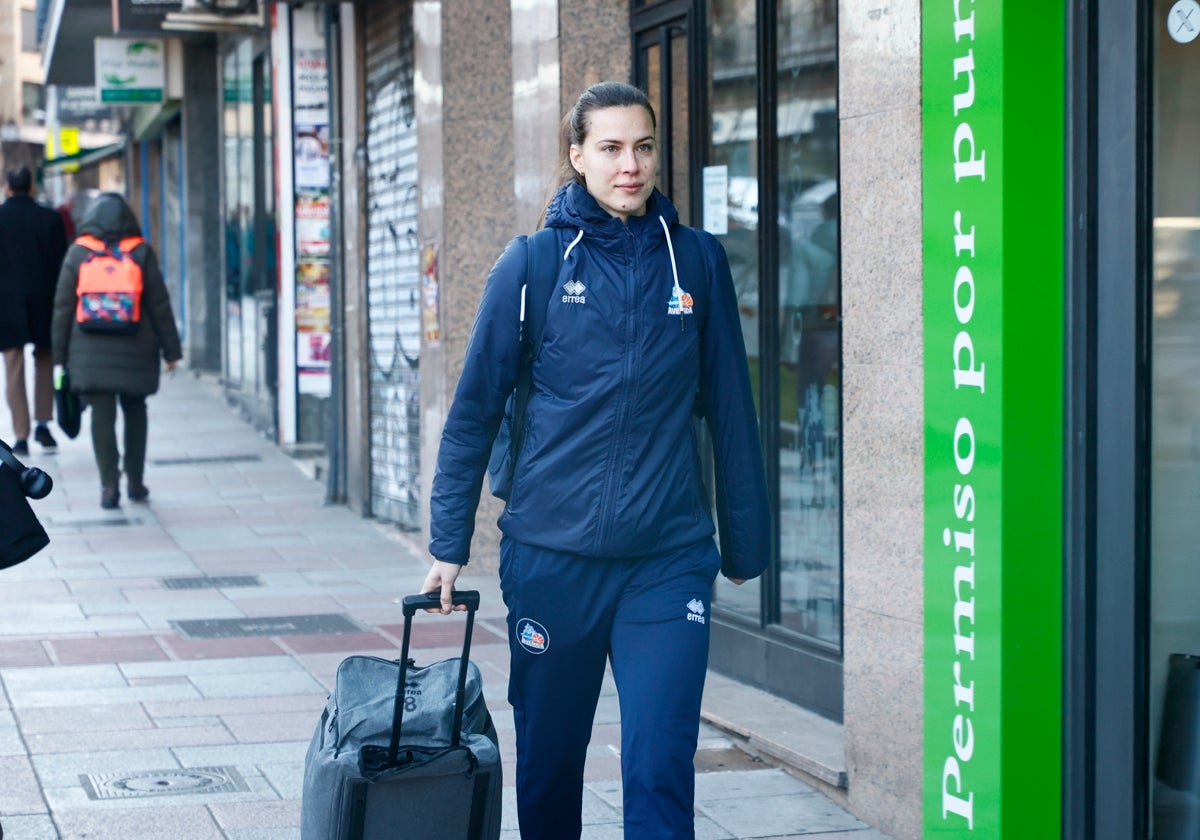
[607, 552]
[111, 339]
[33, 241]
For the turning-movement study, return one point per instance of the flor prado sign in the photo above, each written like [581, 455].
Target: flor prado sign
[130, 70]
[993, 287]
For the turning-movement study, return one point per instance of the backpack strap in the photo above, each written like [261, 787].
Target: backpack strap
[90, 242]
[125, 245]
[543, 261]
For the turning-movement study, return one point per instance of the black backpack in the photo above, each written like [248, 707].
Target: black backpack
[21, 535]
[543, 252]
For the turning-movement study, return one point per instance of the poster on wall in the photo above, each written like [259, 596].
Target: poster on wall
[430, 322]
[312, 223]
[311, 162]
[313, 326]
[312, 157]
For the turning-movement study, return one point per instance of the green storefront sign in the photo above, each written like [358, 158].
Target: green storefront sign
[993, 99]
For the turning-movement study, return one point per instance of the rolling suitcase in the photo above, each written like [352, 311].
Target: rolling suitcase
[403, 750]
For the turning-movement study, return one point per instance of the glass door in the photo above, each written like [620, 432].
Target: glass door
[733, 136]
[249, 232]
[810, 337]
[1174, 653]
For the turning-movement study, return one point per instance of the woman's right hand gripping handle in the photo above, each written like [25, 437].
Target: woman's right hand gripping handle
[441, 578]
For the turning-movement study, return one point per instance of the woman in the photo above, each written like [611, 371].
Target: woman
[107, 367]
[607, 550]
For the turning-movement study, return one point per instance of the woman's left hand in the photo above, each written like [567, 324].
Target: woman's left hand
[441, 579]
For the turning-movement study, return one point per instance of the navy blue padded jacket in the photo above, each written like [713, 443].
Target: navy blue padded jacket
[610, 465]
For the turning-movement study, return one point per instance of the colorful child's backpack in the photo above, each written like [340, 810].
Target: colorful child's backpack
[109, 287]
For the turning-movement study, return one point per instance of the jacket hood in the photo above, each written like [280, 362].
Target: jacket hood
[109, 216]
[574, 207]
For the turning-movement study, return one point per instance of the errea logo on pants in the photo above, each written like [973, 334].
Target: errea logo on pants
[695, 610]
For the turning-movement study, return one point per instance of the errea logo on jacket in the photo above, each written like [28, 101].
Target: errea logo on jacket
[574, 292]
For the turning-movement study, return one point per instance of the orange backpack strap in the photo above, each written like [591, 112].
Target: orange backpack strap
[93, 244]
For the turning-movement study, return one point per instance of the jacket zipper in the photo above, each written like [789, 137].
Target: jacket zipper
[616, 458]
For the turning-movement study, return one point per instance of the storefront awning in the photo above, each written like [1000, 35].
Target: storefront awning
[84, 158]
[72, 26]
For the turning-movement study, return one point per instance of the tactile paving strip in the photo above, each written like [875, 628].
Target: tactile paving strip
[278, 625]
[213, 582]
[205, 459]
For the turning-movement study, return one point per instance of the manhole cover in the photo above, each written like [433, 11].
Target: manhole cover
[206, 582]
[164, 782]
[279, 625]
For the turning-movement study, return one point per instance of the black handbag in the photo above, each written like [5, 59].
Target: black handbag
[68, 405]
[21, 534]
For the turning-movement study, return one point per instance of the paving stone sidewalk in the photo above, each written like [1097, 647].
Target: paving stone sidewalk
[162, 666]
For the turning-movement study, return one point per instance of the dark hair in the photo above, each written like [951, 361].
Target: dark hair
[20, 180]
[597, 97]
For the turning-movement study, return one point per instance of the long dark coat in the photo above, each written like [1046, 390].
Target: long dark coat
[33, 241]
[126, 364]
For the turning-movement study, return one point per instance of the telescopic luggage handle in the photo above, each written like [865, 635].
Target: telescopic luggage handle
[431, 600]
[413, 603]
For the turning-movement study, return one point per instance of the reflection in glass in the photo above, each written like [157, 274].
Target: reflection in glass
[734, 98]
[1174, 666]
[680, 155]
[234, 85]
[250, 265]
[810, 327]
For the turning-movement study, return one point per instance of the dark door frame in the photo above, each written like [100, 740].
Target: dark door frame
[1106, 552]
[656, 24]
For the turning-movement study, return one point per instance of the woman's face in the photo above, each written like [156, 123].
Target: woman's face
[618, 159]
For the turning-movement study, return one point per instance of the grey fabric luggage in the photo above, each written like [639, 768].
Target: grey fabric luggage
[403, 750]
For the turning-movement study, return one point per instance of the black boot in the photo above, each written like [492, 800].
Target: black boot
[110, 497]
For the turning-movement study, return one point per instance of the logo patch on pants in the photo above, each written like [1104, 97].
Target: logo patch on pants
[695, 611]
[532, 636]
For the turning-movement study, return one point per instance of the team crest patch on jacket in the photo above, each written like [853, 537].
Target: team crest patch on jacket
[680, 302]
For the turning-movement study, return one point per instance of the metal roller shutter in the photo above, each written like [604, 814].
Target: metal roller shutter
[393, 276]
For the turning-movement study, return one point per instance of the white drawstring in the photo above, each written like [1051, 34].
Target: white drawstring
[671, 249]
[574, 242]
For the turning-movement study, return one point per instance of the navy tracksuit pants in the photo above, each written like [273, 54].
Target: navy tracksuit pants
[567, 616]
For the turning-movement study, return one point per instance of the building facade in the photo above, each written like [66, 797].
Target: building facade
[963, 239]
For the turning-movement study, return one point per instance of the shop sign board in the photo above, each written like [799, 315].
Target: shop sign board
[145, 17]
[993, 225]
[130, 70]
